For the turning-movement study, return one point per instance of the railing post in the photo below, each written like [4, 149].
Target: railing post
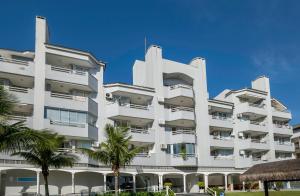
[160, 181]
[73, 182]
[184, 183]
[38, 182]
[134, 183]
[104, 183]
[225, 176]
[206, 181]
[167, 190]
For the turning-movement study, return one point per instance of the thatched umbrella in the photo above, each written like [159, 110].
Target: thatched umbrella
[288, 170]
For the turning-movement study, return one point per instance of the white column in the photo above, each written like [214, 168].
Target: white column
[184, 183]
[73, 182]
[206, 181]
[38, 182]
[225, 176]
[104, 183]
[134, 184]
[288, 185]
[260, 185]
[160, 181]
[243, 185]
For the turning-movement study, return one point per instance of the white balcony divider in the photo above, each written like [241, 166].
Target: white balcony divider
[183, 131]
[176, 109]
[68, 70]
[9, 60]
[180, 86]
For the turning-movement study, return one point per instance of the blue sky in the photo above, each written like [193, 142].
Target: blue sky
[239, 39]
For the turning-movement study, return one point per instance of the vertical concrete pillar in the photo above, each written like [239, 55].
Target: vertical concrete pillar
[206, 181]
[160, 182]
[38, 182]
[73, 182]
[231, 187]
[104, 183]
[225, 177]
[134, 182]
[243, 185]
[184, 183]
[260, 185]
[288, 185]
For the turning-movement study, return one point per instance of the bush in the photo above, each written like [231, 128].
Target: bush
[279, 185]
[201, 184]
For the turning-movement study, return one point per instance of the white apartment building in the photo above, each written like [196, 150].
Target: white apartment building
[187, 136]
[296, 140]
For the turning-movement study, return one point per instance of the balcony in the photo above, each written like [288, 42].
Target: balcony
[182, 136]
[219, 121]
[178, 116]
[225, 142]
[26, 119]
[72, 129]
[126, 111]
[286, 147]
[14, 66]
[22, 94]
[60, 100]
[252, 126]
[142, 135]
[222, 161]
[182, 160]
[71, 76]
[282, 129]
[178, 90]
[253, 144]
[283, 114]
[252, 109]
[147, 159]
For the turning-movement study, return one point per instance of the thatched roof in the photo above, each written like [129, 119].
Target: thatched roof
[279, 170]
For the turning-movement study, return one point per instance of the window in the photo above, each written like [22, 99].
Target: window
[69, 116]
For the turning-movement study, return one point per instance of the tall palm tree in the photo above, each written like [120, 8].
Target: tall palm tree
[116, 151]
[45, 155]
[13, 137]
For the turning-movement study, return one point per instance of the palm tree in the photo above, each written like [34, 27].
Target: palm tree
[45, 155]
[116, 151]
[13, 137]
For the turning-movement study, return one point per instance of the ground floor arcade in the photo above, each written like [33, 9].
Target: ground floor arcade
[19, 180]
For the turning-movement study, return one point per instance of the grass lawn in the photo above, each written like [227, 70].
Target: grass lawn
[271, 193]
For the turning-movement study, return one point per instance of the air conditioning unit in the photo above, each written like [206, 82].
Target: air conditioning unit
[242, 152]
[163, 146]
[95, 144]
[241, 134]
[160, 99]
[109, 96]
[264, 158]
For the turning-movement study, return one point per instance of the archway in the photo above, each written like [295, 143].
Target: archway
[176, 180]
[147, 182]
[87, 182]
[216, 180]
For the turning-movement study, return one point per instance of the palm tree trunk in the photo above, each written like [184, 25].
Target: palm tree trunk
[116, 183]
[45, 174]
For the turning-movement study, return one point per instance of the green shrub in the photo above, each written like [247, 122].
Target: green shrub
[218, 190]
[126, 194]
[142, 194]
[279, 185]
[201, 184]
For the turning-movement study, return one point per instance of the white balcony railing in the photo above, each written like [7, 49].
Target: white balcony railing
[18, 89]
[9, 60]
[217, 137]
[139, 130]
[176, 109]
[180, 86]
[282, 126]
[68, 96]
[278, 110]
[256, 105]
[222, 157]
[71, 124]
[218, 117]
[184, 131]
[67, 70]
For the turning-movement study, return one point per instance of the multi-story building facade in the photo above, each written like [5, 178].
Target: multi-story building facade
[296, 140]
[186, 136]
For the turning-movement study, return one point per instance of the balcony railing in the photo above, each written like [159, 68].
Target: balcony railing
[17, 118]
[220, 157]
[257, 123]
[184, 131]
[277, 110]
[176, 109]
[135, 106]
[68, 96]
[143, 154]
[283, 143]
[139, 130]
[180, 86]
[71, 124]
[259, 141]
[18, 89]
[282, 126]
[183, 155]
[216, 137]
[257, 105]
[68, 70]
[9, 60]
[218, 117]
